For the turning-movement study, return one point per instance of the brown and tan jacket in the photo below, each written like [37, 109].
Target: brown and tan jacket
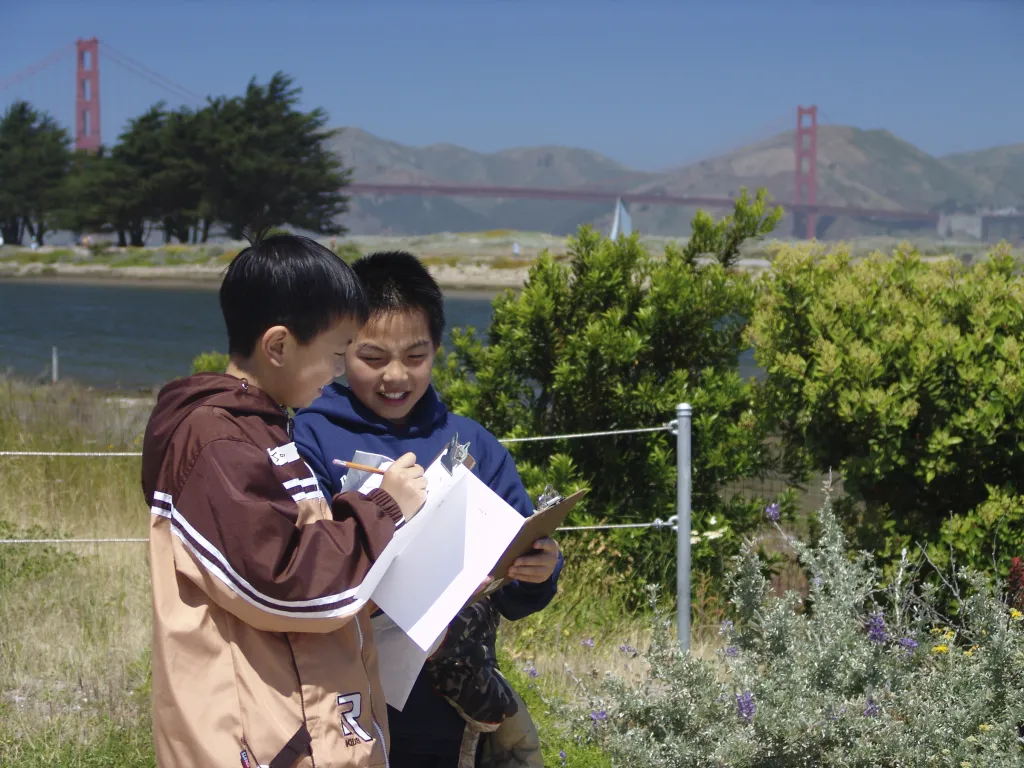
[262, 654]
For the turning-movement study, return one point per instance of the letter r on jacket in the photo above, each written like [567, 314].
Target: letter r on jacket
[351, 707]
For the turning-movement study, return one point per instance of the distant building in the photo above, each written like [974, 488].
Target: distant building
[988, 226]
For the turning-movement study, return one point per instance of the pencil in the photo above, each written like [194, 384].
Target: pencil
[359, 467]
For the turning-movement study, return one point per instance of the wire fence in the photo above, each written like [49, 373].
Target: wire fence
[506, 440]
[656, 524]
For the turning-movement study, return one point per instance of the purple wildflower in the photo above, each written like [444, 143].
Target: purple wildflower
[872, 709]
[564, 758]
[816, 581]
[726, 627]
[876, 628]
[599, 716]
[628, 649]
[531, 670]
[732, 651]
[772, 512]
[588, 643]
[745, 706]
[908, 644]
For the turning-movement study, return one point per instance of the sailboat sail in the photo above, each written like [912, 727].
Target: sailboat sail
[622, 225]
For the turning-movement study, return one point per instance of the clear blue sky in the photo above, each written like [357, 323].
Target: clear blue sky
[651, 83]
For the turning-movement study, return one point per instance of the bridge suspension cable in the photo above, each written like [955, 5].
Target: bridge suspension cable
[39, 66]
[135, 67]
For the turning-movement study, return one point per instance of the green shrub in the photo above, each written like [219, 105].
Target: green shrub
[987, 537]
[349, 252]
[210, 362]
[98, 248]
[616, 338]
[907, 377]
[855, 676]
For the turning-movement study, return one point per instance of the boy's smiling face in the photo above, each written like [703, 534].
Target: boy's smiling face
[390, 364]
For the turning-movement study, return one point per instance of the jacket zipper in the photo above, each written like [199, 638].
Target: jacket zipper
[302, 694]
[369, 698]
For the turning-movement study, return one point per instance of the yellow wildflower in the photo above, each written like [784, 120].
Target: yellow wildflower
[949, 634]
[1016, 615]
[936, 630]
[984, 727]
[941, 648]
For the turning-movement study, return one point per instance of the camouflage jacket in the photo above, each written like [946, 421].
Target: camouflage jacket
[464, 669]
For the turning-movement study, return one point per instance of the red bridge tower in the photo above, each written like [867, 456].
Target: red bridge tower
[806, 191]
[87, 95]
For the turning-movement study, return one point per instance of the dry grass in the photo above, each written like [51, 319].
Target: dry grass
[74, 619]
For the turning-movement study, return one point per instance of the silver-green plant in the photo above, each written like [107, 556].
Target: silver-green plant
[856, 674]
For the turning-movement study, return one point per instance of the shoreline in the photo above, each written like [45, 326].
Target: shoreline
[461, 273]
[466, 280]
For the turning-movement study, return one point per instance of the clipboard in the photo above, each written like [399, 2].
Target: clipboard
[538, 526]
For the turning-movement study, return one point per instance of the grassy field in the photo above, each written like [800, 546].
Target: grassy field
[75, 619]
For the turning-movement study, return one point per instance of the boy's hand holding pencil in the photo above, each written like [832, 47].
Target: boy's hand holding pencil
[403, 481]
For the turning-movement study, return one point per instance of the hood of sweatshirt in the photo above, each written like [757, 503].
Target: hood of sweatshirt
[180, 398]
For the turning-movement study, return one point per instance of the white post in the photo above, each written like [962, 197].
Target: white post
[684, 479]
[53, 367]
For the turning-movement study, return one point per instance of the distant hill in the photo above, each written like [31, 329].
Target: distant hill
[1000, 170]
[865, 168]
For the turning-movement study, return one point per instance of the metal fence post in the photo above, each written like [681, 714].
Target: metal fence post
[53, 366]
[684, 419]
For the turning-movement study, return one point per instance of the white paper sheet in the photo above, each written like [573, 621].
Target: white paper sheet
[438, 481]
[400, 660]
[432, 567]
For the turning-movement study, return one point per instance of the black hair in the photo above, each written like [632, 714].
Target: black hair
[287, 280]
[396, 281]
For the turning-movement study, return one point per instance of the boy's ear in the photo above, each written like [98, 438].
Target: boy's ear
[273, 344]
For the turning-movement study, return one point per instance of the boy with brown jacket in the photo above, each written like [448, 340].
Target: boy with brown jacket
[254, 572]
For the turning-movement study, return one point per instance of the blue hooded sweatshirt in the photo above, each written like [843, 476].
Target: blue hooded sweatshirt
[335, 426]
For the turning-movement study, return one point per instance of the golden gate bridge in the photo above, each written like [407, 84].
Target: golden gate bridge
[88, 137]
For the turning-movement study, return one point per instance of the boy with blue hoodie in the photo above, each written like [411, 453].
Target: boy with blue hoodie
[389, 407]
